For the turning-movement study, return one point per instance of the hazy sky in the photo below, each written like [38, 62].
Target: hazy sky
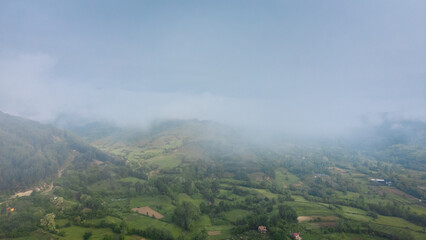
[299, 66]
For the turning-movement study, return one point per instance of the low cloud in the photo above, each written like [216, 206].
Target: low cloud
[30, 88]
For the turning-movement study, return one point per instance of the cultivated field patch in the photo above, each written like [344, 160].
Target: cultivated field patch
[319, 218]
[147, 211]
[401, 194]
[214, 233]
[257, 176]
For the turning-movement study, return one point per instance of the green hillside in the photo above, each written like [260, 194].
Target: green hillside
[32, 152]
[200, 180]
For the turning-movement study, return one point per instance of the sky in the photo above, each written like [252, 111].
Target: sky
[307, 67]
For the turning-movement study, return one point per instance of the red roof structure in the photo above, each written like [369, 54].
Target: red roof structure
[296, 236]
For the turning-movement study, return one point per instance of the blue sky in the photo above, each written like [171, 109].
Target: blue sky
[316, 67]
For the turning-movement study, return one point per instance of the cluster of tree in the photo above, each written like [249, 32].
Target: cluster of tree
[395, 210]
[153, 233]
[278, 225]
[26, 216]
[407, 186]
[185, 214]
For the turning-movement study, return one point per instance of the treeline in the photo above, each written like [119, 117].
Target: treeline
[394, 210]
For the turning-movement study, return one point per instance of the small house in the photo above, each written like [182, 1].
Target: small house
[378, 180]
[296, 236]
[9, 209]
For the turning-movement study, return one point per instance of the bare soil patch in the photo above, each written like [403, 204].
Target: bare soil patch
[297, 184]
[214, 233]
[97, 162]
[304, 218]
[329, 218]
[153, 173]
[147, 211]
[22, 194]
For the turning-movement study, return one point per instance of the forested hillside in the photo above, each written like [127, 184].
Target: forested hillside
[198, 180]
[32, 152]
[394, 141]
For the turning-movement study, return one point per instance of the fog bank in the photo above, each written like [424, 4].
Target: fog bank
[311, 68]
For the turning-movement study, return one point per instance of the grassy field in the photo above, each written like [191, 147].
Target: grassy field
[400, 230]
[336, 236]
[397, 222]
[132, 180]
[355, 214]
[299, 198]
[219, 232]
[164, 161]
[160, 152]
[234, 214]
[284, 179]
[310, 208]
[418, 209]
[75, 232]
[107, 220]
[137, 221]
[266, 193]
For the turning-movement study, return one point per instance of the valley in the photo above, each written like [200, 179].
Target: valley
[195, 180]
[212, 120]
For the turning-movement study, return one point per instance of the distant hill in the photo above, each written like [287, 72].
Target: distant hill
[168, 143]
[32, 152]
[396, 141]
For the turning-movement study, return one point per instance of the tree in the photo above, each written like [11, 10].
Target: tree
[288, 213]
[186, 214]
[202, 235]
[87, 235]
[48, 222]
[373, 215]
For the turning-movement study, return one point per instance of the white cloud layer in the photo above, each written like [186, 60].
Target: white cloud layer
[314, 68]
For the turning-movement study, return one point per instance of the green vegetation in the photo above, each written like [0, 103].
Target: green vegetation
[204, 187]
[32, 153]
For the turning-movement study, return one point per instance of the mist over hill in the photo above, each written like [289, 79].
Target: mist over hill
[112, 176]
[390, 139]
[212, 120]
[32, 153]
[277, 66]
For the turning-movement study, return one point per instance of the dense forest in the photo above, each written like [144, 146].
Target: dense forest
[32, 152]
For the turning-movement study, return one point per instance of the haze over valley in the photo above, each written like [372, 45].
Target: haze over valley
[194, 120]
[296, 68]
